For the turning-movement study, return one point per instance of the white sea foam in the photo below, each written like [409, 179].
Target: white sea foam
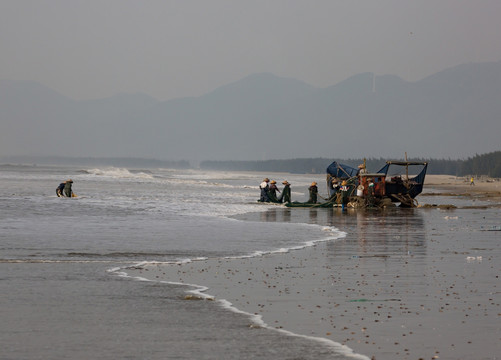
[258, 321]
[334, 234]
[118, 173]
[201, 290]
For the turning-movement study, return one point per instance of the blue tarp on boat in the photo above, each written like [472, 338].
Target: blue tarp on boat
[341, 171]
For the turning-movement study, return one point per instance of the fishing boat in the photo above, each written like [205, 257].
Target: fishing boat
[391, 182]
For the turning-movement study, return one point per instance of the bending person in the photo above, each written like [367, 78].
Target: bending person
[67, 188]
[60, 188]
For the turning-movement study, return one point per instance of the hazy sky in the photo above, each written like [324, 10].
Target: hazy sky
[167, 49]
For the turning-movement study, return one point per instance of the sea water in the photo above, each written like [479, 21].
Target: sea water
[61, 297]
[139, 215]
[63, 283]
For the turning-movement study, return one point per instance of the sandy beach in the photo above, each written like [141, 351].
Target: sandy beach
[484, 188]
[419, 286]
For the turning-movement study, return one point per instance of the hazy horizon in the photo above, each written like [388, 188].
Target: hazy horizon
[203, 53]
[94, 49]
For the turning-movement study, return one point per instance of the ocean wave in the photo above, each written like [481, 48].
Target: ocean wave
[118, 173]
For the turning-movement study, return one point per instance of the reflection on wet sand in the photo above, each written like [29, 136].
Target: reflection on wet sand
[398, 230]
[401, 283]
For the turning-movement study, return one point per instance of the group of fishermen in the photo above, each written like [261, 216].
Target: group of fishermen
[340, 192]
[64, 189]
[269, 191]
[343, 191]
[337, 193]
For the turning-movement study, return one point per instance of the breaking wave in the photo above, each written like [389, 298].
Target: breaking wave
[118, 173]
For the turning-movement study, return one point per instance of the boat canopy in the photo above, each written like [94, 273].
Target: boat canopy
[419, 178]
[341, 171]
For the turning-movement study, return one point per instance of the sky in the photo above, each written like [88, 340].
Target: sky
[170, 49]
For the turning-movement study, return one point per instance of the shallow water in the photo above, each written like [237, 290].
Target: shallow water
[60, 299]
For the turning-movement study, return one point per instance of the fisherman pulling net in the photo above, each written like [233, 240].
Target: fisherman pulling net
[269, 192]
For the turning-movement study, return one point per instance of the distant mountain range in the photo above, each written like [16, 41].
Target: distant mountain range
[455, 113]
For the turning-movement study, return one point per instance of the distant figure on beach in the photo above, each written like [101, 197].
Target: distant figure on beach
[313, 189]
[67, 188]
[60, 188]
[264, 190]
[286, 192]
[472, 182]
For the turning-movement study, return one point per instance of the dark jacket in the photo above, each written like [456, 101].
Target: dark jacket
[286, 194]
[313, 194]
[67, 189]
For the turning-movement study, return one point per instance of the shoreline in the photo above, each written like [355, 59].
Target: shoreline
[390, 289]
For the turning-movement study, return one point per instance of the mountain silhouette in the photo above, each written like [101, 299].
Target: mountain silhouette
[454, 113]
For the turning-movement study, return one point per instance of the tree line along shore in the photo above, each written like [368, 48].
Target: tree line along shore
[479, 165]
[486, 164]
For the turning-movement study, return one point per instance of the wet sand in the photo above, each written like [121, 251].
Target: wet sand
[419, 285]
[485, 188]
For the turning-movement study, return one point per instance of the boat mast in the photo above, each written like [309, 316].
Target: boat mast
[406, 167]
